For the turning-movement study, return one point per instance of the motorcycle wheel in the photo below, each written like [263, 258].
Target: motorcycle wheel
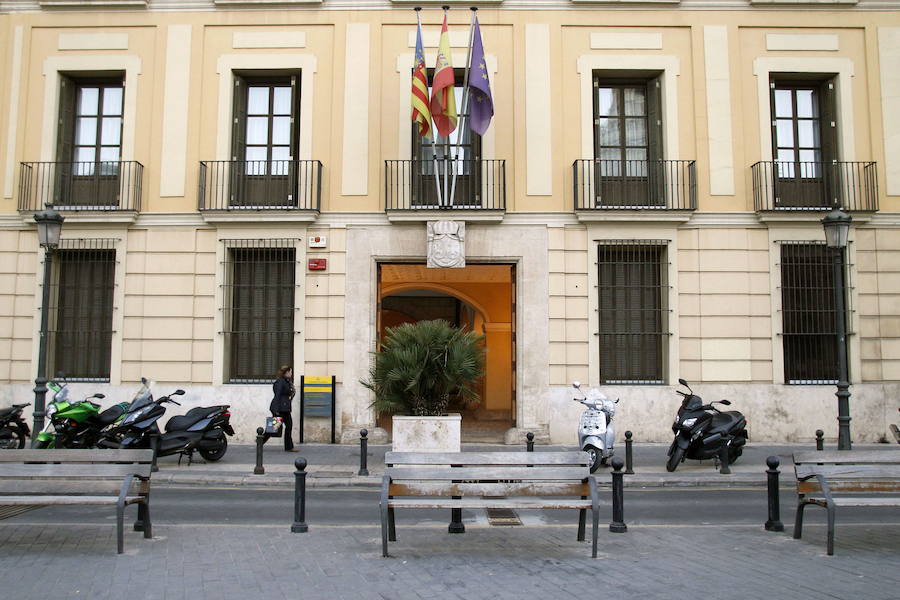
[214, 454]
[675, 459]
[41, 444]
[596, 457]
[12, 439]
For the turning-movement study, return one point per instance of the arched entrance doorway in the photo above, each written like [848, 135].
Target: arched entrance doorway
[478, 298]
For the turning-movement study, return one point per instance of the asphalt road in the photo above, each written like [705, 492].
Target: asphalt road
[205, 505]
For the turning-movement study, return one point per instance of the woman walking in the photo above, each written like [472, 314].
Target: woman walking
[282, 399]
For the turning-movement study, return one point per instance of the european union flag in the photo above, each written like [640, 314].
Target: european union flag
[482, 103]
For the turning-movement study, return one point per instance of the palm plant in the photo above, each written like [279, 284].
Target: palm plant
[420, 365]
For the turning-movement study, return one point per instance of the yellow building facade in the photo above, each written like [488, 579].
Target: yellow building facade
[645, 205]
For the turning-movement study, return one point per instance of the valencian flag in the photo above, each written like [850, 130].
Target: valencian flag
[481, 109]
[443, 98]
[421, 113]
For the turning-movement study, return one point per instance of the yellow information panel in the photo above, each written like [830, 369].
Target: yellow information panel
[317, 400]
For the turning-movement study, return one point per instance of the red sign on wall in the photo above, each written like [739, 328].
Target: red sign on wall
[317, 264]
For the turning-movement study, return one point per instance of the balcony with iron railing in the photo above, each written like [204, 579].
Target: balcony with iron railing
[241, 189]
[89, 188]
[814, 186]
[601, 186]
[413, 192]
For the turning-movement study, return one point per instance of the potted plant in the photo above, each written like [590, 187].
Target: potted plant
[414, 375]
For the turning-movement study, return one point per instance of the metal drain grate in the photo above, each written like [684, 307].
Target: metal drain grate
[502, 517]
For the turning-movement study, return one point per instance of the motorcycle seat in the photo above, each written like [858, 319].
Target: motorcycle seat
[190, 417]
[110, 414]
[725, 421]
[5, 412]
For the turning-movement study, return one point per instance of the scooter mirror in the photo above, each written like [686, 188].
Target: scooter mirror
[682, 381]
[100, 396]
[726, 402]
[576, 385]
[178, 393]
[144, 380]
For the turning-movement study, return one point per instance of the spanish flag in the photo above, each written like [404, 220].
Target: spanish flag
[443, 97]
[421, 113]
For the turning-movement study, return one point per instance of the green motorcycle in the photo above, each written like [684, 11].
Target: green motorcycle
[75, 424]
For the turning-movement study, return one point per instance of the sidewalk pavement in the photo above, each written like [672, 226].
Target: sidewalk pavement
[335, 465]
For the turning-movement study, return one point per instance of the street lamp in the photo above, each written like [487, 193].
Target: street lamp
[837, 230]
[49, 225]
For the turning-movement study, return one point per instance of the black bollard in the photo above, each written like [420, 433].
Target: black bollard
[529, 442]
[629, 470]
[820, 440]
[618, 497]
[774, 523]
[260, 440]
[363, 452]
[723, 460]
[154, 444]
[300, 525]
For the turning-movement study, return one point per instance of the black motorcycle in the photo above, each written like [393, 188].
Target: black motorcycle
[202, 429]
[13, 428]
[701, 430]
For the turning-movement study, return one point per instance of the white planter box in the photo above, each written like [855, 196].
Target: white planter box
[427, 434]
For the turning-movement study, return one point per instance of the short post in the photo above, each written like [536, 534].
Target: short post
[629, 467]
[820, 440]
[618, 497]
[529, 442]
[300, 525]
[154, 444]
[723, 460]
[774, 523]
[363, 452]
[260, 440]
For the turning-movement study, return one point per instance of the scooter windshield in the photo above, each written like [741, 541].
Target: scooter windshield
[142, 398]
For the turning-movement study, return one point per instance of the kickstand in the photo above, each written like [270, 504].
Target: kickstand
[190, 456]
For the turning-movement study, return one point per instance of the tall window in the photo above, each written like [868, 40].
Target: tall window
[633, 309]
[80, 316]
[803, 141]
[89, 142]
[808, 312]
[258, 317]
[264, 141]
[627, 142]
[462, 148]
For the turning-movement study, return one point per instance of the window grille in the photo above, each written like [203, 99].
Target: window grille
[633, 311]
[808, 313]
[79, 324]
[258, 311]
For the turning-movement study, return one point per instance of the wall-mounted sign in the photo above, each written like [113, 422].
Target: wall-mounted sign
[318, 264]
[317, 400]
[318, 241]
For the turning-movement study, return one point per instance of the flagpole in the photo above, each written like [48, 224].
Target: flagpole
[465, 104]
[437, 184]
[447, 201]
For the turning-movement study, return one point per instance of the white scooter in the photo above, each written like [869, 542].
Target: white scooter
[596, 434]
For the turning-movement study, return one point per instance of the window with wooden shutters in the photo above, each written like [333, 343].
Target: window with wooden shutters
[633, 311]
[808, 313]
[258, 316]
[264, 138]
[79, 331]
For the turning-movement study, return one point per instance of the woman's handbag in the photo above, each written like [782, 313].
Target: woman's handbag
[274, 426]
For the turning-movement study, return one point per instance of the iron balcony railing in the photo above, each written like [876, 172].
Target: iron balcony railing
[260, 184]
[412, 185]
[102, 186]
[797, 186]
[601, 184]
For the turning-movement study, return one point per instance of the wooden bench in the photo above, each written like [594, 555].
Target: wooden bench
[473, 480]
[848, 478]
[70, 477]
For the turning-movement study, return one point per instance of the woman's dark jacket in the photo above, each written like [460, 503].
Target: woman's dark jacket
[283, 393]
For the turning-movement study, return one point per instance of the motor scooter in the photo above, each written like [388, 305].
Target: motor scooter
[596, 434]
[702, 430]
[13, 428]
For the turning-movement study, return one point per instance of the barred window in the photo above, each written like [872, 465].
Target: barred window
[258, 316]
[808, 313]
[79, 327]
[633, 306]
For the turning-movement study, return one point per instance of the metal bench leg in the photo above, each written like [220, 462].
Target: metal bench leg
[595, 528]
[582, 515]
[120, 527]
[384, 530]
[830, 509]
[148, 527]
[798, 520]
[392, 529]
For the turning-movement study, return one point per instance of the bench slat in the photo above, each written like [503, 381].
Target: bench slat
[844, 471]
[811, 486]
[537, 489]
[68, 456]
[70, 471]
[487, 458]
[854, 457]
[88, 487]
[472, 503]
[575, 472]
[64, 500]
[867, 501]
